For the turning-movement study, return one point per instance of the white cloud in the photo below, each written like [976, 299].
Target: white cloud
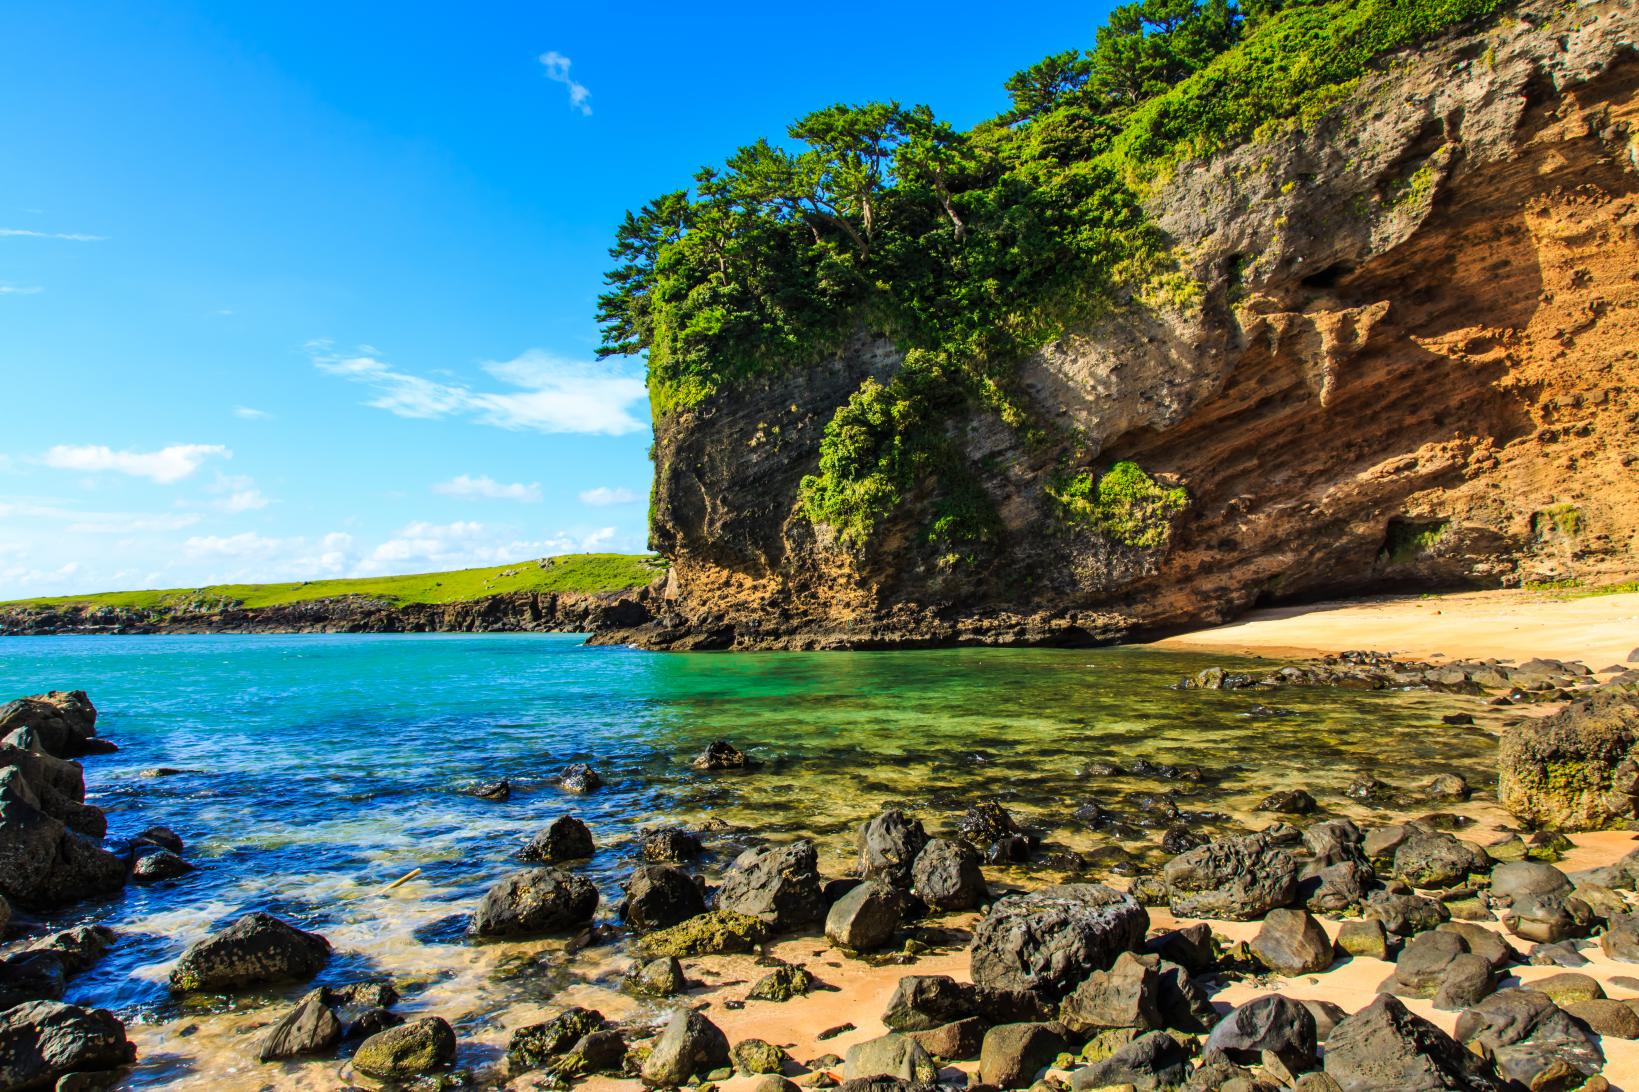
[250, 414]
[20, 290]
[167, 465]
[466, 544]
[245, 500]
[604, 497]
[73, 237]
[557, 68]
[487, 488]
[552, 395]
[274, 558]
[98, 523]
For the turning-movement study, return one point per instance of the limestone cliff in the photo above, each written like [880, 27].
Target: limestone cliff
[1412, 362]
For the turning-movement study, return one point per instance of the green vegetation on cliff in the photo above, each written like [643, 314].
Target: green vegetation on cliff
[969, 248]
[569, 573]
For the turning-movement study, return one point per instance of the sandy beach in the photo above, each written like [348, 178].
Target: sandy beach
[1599, 630]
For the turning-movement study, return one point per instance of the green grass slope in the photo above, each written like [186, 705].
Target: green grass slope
[569, 573]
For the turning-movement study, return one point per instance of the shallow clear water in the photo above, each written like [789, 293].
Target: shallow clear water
[327, 766]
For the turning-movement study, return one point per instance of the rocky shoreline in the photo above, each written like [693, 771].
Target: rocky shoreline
[1077, 984]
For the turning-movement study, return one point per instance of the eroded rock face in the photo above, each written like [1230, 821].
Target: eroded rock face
[779, 886]
[1573, 770]
[1408, 350]
[1050, 939]
[1235, 878]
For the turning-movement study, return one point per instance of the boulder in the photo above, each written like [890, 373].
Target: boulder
[57, 788]
[1527, 1036]
[923, 1002]
[1288, 802]
[1404, 915]
[1125, 996]
[363, 1008]
[718, 932]
[865, 918]
[1012, 1054]
[720, 755]
[535, 902]
[779, 886]
[64, 722]
[163, 837]
[311, 1028]
[1385, 1045]
[31, 976]
[1235, 878]
[1270, 1024]
[658, 897]
[257, 949]
[888, 847]
[578, 777]
[1467, 980]
[946, 876]
[1423, 962]
[567, 839]
[1050, 939]
[1338, 887]
[890, 1055]
[1568, 987]
[1193, 948]
[988, 824]
[411, 1049]
[1572, 770]
[781, 984]
[1183, 1002]
[689, 1044]
[1602, 1016]
[1365, 937]
[659, 977]
[669, 845]
[78, 948]
[43, 1041]
[1620, 940]
[755, 1057]
[1152, 1061]
[1291, 943]
[158, 864]
[538, 1045]
[44, 865]
[1428, 858]
[957, 1040]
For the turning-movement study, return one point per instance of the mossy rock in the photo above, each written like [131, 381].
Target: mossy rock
[754, 1057]
[720, 932]
[542, 1044]
[781, 984]
[408, 1050]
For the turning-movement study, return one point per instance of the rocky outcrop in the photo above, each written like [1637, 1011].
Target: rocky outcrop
[1406, 361]
[1576, 769]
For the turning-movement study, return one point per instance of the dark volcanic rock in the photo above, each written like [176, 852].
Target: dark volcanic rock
[1050, 939]
[31, 976]
[1236, 878]
[408, 1050]
[45, 865]
[567, 839]
[310, 1028]
[578, 777]
[1291, 942]
[1527, 1035]
[64, 723]
[1385, 1046]
[720, 755]
[535, 902]
[43, 1041]
[888, 846]
[159, 864]
[689, 1044]
[255, 950]
[1434, 859]
[658, 897]
[1288, 802]
[779, 886]
[865, 918]
[1280, 1025]
[538, 1044]
[1151, 1061]
[1128, 995]
[669, 845]
[947, 876]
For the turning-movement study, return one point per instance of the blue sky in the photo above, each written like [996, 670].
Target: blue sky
[298, 290]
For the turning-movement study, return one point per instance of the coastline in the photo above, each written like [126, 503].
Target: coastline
[1599, 630]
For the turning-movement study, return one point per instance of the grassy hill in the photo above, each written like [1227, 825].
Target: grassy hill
[568, 573]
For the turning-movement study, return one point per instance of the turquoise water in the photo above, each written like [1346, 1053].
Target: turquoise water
[323, 767]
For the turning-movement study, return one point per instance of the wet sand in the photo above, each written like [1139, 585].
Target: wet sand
[1510, 625]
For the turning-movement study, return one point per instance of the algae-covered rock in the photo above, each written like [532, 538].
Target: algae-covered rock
[781, 984]
[1573, 770]
[719, 932]
[408, 1050]
[539, 1044]
[754, 1057]
[256, 949]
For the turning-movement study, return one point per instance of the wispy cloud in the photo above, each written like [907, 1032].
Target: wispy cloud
[167, 465]
[20, 290]
[487, 488]
[557, 68]
[605, 497]
[249, 413]
[467, 543]
[71, 236]
[80, 521]
[297, 556]
[552, 395]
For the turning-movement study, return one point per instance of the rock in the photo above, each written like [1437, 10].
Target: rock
[1532, 879]
[779, 886]
[774, 1083]
[890, 1055]
[1050, 939]
[1269, 1024]
[1327, 1016]
[1567, 988]
[1405, 915]
[1483, 942]
[363, 1008]
[159, 864]
[1434, 859]
[1467, 979]
[1527, 1036]
[1560, 954]
[1288, 802]
[1620, 940]
[498, 791]
[163, 837]
[865, 918]
[44, 865]
[543, 1044]
[717, 932]
[781, 984]
[921, 1002]
[1363, 938]
[578, 777]
[409, 1050]
[63, 722]
[720, 755]
[669, 845]
[689, 1044]
[600, 1051]
[1125, 996]
[987, 823]
[957, 1040]
[1292, 943]
[1337, 887]
[1236, 878]
[535, 902]
[257, 949]
[1423, 962]
[1152, 1061]
[1012, 1054]
[1385, 1046]
[1603, 1016]
[43, 1041]
[946, 876]
[1193, 948]
[658, 897]
[1571, 770]
[660, 977]
[311, 1028]
[567, 839]
[1379, 843]
[1604, 902]
[78, 948]
[754, 1057]
[1449, 786]
[31, 976]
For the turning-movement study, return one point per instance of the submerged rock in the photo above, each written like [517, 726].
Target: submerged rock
[720, 755]
[1049, 940]
[567, 839]
[257, 949]
[578, 777]
[310, 1028]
